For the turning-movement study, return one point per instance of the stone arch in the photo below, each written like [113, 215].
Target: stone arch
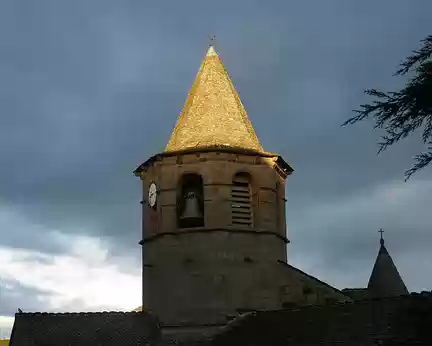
[190, 201]
[243, 173]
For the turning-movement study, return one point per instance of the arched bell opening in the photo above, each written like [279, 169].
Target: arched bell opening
[190, 201]
[241, 201]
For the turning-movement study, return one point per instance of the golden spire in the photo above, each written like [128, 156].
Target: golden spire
[213, 115]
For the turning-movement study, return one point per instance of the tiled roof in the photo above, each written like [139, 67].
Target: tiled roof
[403, 320]
[356, 293]
[82, 329]
[301, 272]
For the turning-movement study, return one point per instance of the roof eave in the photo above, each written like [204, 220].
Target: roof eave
[284, 166]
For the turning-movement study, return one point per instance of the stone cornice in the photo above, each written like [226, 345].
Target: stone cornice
[207, 230]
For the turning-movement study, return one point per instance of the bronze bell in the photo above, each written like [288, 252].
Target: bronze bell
[191, 208]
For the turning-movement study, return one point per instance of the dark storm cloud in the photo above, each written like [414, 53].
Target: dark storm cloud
[24, 231]
[15, 295]
[89, 90]
[341, 234]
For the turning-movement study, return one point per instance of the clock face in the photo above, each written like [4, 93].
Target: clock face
[152, 194]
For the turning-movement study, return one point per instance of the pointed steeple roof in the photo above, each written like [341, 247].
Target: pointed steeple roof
[213, 115]
[385, 280]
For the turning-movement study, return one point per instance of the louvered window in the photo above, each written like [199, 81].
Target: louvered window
[241, 208]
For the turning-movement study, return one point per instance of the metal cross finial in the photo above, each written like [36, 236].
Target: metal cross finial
[381, 239]
[212, 39]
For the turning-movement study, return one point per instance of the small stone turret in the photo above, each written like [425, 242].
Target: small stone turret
[385, 280]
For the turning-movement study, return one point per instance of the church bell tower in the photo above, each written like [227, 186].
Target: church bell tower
[213, 211]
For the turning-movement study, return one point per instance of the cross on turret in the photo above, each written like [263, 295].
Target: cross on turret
[381, 239]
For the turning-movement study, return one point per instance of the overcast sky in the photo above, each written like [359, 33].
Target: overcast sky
[90, 89]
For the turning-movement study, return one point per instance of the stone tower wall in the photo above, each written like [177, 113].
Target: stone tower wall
[217, 171]
[200, 275]
[203, 275]
[201, 278]
[191, 282]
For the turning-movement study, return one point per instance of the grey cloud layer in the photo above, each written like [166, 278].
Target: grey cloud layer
[91, 89]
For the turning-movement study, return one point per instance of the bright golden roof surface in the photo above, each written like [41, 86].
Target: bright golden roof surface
[213, 115]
